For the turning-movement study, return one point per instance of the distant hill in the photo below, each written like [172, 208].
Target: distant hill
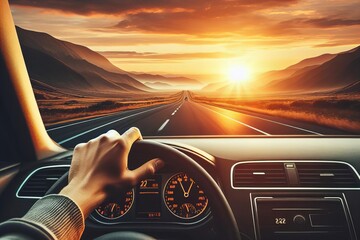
[63, 50]
[214, 86]
[273, 76]
[294, 69]
[314, 61]
[175, 81]
[340, 72]
[335, 73]
[159, 85]
[72, 68]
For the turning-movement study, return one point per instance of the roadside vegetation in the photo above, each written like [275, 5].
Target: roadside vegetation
[62, 109]
[340, 112]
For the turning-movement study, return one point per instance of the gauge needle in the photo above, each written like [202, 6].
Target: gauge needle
[185, 193]
[113, 206]
[187, 208]
[192, 183]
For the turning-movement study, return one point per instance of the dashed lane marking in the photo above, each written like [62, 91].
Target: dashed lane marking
[163, 125]
[106, 124]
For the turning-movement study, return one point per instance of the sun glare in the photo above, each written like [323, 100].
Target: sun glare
[239, 74]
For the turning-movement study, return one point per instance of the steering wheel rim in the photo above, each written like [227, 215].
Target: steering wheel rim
[219, 205]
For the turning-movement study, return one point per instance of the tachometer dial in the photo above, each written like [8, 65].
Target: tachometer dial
[187, 210]
[116, 207]
[183, 197]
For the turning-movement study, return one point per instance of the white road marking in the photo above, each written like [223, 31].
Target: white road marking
[247, 125]
[72, 124]
[283, 124]
[163, 125]
[177, 109]
[76, 123]
[117, 120]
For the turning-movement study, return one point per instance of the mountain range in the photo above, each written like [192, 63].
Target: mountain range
[60, 66]
[63, 66]
[327, 73]
[297, 68]
[334, 73]
[170, 81]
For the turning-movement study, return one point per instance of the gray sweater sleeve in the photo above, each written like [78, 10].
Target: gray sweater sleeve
[55, 215]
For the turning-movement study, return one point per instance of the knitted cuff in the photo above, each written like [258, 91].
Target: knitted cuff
[59, 214]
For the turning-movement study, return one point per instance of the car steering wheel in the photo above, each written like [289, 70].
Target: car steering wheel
[220, 207]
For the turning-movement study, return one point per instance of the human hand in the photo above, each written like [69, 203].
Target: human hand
[100, 167]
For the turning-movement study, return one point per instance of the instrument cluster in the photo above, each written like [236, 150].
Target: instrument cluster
[175, 198]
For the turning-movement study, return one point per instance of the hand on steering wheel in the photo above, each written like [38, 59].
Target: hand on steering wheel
[100, 167]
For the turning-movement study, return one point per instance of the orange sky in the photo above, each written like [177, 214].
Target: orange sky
[197, 37]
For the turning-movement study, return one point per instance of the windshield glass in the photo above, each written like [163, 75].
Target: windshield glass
[190, 68]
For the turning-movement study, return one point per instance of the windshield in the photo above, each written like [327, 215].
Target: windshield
[190, 68]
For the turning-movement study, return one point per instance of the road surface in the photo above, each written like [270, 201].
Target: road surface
[184, 117]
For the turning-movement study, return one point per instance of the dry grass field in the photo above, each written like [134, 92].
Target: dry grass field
[59, 108]
[340, 111]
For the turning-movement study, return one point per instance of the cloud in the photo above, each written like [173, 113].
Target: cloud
[271, 18]
[171, 16]
[115, 7]
[324, 22]
[268, 30]
[335, 22]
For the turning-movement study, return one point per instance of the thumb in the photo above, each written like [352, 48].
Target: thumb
[148, 169]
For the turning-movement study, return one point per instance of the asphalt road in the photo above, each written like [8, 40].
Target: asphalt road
[184, 117]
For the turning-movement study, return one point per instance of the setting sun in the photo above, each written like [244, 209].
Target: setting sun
[239, 74]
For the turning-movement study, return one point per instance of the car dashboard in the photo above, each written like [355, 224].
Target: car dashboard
[170, 198]
[165, 198]
[278, 188]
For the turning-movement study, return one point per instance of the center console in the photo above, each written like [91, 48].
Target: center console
[310, 217]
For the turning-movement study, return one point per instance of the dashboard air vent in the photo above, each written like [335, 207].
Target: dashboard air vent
[319, 174]
[39, 181]
[259, 175]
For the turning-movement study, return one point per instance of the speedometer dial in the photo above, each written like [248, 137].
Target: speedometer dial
[116, 207]
[183, 197]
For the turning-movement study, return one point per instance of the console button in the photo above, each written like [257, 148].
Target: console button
[299, 220]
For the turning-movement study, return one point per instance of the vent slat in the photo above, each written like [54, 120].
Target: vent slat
[251, 175]
[318, 174]
[310, 174]
[40, 181]
[259, 175]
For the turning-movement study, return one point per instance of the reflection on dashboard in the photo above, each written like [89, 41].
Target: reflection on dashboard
[163, 197]
[183, 197]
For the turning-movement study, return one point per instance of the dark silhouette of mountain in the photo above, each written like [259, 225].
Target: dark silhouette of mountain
[340, 72]
[335, 73]
[293, 70]
[275, 76]
[313, 61]
[72, 67]
[63, 50]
